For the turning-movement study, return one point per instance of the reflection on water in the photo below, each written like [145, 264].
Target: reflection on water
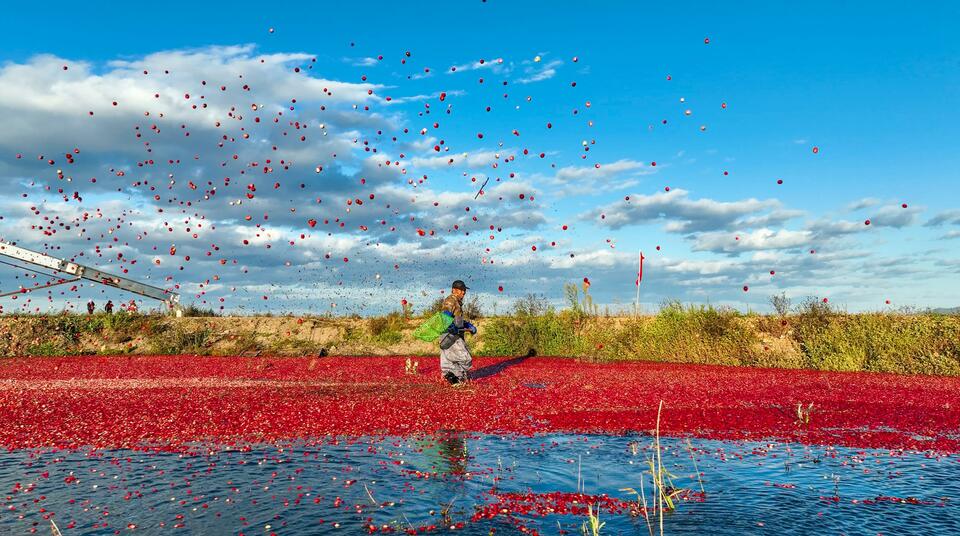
[475, 484]
[447, 451]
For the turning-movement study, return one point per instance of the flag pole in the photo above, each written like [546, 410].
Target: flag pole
[639, 271]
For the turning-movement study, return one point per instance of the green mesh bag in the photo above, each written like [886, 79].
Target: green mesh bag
[435, 326]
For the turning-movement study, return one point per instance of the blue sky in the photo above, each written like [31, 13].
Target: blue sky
[873, 86]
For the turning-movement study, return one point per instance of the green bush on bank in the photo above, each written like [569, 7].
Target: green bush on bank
[692, 334]
[917, 344]
[550, 333]
[815, 337]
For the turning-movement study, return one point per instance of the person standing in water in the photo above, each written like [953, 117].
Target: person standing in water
[455, 358]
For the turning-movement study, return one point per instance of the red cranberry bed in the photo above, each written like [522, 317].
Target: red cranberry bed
[170, 402]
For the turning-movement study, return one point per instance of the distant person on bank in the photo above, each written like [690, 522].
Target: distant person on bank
[455, 358]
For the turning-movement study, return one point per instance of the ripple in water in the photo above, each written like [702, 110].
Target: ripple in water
[478, 483]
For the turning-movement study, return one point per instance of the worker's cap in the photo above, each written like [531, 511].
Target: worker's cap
[460, 285]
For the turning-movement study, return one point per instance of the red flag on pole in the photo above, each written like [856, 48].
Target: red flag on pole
[640, 270]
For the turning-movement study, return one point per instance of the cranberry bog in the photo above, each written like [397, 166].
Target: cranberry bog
[104, 445]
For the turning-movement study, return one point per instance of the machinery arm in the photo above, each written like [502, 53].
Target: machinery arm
[172, 299]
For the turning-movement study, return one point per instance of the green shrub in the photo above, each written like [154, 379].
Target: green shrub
[547, 334]
[47, 348]
[120, 321]
[386, 329]
[193, 310]
[923, 344]
[838, 345]
[180, 341]
[244, 343]
[880, 342]
[531, 305]
[692, 334]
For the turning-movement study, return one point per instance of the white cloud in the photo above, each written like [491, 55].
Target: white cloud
[494, 64]
[895, 217]
[602, 171]
[760, 239]
[950, 217]
[366, 61]
[866, 202]
[680, 213]
[539, 71]
[480, 158]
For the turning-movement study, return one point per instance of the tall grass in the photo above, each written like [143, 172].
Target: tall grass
[550, 333]
[664, 492]
[179, 340]
[692, 334]
[592, 526]
[687, 334]
[927, 344]
[813, 336]
[387, 329]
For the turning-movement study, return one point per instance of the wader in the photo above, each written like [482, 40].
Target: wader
[456, 359]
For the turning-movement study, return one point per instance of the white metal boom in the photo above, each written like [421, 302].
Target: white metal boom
[79, 271]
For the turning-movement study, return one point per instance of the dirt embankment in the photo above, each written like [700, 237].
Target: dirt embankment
[136, 334]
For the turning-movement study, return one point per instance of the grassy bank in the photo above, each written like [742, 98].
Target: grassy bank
[812, 336]
[819, 339]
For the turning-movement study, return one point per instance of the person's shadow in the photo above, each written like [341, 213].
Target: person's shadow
[497, 368]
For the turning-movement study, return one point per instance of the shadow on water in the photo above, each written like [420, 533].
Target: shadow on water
[497, 368]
